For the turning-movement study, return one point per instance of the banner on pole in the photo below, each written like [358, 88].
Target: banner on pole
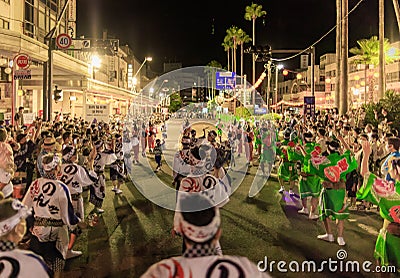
[100, 112]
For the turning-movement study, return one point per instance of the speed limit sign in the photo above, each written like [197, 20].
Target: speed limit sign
[63, 41]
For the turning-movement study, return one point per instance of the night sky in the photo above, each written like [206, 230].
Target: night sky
[191, 32]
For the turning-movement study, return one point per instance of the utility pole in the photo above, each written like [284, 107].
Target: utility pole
[268, 83]
[382, 60]
[397, 12]
[48, 66]
[312, 56]
[263, 54]
[344, 54]
[244, 90]
[338, 52]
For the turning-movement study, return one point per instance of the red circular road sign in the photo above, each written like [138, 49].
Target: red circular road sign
[63, 41]
[22, 61]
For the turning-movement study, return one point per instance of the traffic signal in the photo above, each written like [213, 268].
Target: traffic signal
[58, 94]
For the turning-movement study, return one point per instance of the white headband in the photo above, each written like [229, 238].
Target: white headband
[8, 224]
[200, 234]
[5, 176]
[332, 148]
[53, 164]
[68, 156]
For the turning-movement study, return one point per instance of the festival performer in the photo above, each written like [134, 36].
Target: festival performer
[309, 184]
[239, 138]
[287, 171]
[48, 147]
[76, 177]
[117, 168]
[201, 231]
[248, 145]
[134, 144]
[6, 169]
[385, 194]
[198, 180]
[332, 168]
[231, 145]
[158, 154]
[219, 126]
[23, 158]
[392, 146]
[98, 189]
[16, 262]
[143, 139]
[180, 166]
[257, 137]
[186, 127]
[152, 132]
[50, 200]
[267, 156]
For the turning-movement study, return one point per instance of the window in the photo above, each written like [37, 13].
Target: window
[52, 4]
[29, 19]
[48, 11]
[393, 77]
[4, 24]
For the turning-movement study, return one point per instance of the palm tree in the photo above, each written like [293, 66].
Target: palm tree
[233, 34]
[227, 44]
[242, 39]
[253, 12]
[210, 71]
[368, 54]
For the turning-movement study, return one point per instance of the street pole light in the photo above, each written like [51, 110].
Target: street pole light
[141, 66]
[158, 91]
[135, 81]
[95, 65]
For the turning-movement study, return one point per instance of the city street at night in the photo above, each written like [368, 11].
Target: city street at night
[170, 139]
[134, 233]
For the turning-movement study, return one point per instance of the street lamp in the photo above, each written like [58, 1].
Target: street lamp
[95, 64]
[135, 81]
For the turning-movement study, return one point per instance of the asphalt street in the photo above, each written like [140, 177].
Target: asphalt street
[134, 232]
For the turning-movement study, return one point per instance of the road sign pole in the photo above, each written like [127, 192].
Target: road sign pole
[13, 93]
[48, 88]
[45, 65]
[47, 101]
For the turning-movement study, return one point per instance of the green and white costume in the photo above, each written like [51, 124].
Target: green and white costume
[310, 185]
[287, 170]
[387, 196]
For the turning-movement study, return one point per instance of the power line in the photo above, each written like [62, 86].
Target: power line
[321, 38]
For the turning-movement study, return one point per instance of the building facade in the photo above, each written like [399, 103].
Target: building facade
[362, 82]
[24, 25]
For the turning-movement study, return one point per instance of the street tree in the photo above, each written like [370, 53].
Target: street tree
[175, 102]
[241, 40]
[368, 54]
[233, 34]
[253, 12]
[228, 45]
[210, 71]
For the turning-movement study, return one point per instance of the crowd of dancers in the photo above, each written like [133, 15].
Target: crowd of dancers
[332, 163]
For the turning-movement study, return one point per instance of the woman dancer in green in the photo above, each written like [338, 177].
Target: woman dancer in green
[385, 194]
